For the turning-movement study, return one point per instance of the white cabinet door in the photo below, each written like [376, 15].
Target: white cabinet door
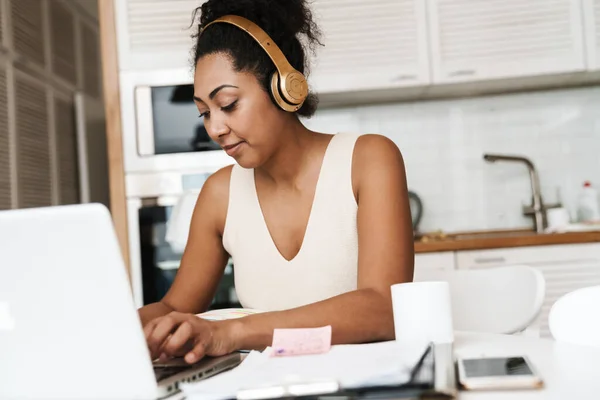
[370, 45]
[154, 34]
[565, 268]
[491, 39]
[428, 263]
[591, 13]
[563, 277]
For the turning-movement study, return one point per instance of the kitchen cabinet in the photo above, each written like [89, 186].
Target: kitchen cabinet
[474, 40]
[565, 268]
[591, 13]
[154, 34]
[427, 262]
[367, 45]
[379, 44]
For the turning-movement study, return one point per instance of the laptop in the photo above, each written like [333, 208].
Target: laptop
[69, 328]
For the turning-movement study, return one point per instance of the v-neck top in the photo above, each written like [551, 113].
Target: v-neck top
[326, 264]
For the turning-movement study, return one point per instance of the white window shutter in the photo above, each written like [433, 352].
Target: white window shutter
[5, 170]
[62, 34]
[2, 23]
[155, 33]
[90, 60]
[370, 45]
[489, 39]
[66, 147]
[33, 145]
[27, 29]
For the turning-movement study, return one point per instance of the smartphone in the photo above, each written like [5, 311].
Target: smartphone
[497, 373]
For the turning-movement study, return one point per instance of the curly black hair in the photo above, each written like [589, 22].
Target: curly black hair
[285, 21]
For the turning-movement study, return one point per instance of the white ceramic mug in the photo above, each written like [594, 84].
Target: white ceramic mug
[557, 218]
[422, 312]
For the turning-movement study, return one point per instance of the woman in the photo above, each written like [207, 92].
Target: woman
[318, 225]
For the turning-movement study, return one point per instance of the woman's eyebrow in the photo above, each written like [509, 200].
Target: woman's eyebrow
[212, 94]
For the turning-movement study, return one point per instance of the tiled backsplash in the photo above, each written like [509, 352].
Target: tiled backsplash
[443, 143]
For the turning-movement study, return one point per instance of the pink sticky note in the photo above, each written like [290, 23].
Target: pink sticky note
[293, 342]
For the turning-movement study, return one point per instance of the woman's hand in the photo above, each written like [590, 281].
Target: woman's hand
[185, 335]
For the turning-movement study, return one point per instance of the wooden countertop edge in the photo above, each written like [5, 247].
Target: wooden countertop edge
[504, 242]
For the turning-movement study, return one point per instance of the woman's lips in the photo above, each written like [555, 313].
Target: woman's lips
[232, 149]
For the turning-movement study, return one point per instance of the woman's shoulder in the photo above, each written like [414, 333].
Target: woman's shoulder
[376, 160]
[216, 186]
[372, 151]
[214, 196]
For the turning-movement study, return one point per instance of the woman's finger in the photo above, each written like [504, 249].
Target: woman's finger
[178, 339]
[196, 353]
[149, 328]
[163, 329]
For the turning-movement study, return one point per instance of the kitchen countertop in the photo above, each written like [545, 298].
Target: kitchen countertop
[479, 240]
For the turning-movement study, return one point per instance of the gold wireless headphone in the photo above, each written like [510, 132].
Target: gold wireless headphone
[288, 85]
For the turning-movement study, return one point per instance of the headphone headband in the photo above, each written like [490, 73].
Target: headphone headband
[261, 37]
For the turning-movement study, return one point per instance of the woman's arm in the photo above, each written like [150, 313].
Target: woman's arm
[386, 257]
[204, 257]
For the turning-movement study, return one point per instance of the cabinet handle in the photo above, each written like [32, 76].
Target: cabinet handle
[464, 72]
[489, 260]
[404, 78]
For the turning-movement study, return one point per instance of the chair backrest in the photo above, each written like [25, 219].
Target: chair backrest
[575, 317]
[495, 300]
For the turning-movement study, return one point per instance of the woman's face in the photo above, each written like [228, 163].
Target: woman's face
[238, 114]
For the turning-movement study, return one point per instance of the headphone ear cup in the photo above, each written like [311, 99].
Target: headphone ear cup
[278, 98]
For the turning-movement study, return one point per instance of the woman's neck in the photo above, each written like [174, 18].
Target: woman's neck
[288, 163]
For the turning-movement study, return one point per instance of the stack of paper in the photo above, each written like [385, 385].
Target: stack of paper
[351, 366]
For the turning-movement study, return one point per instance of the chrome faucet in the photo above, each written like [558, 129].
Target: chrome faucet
[537, 209]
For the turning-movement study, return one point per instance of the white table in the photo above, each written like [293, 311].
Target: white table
[569, 371]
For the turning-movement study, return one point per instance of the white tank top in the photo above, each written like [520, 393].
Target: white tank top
[327, 262]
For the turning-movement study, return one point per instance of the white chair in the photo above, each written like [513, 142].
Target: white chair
[503, 300]
[575, 317]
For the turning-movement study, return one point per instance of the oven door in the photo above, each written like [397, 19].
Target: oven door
[154, 262]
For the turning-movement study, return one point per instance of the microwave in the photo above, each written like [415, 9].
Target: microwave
[168, 121]
[162, 130]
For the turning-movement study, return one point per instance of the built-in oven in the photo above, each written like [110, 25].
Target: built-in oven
[167, 153]
[154, 261]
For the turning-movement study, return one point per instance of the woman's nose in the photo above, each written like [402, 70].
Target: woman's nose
[217, 129]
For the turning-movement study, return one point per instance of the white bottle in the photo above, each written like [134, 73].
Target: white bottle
[588, 209]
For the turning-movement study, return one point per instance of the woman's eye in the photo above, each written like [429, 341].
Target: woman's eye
[229, 107]
[203, 115]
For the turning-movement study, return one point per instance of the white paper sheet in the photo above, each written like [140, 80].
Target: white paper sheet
[352, 366]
